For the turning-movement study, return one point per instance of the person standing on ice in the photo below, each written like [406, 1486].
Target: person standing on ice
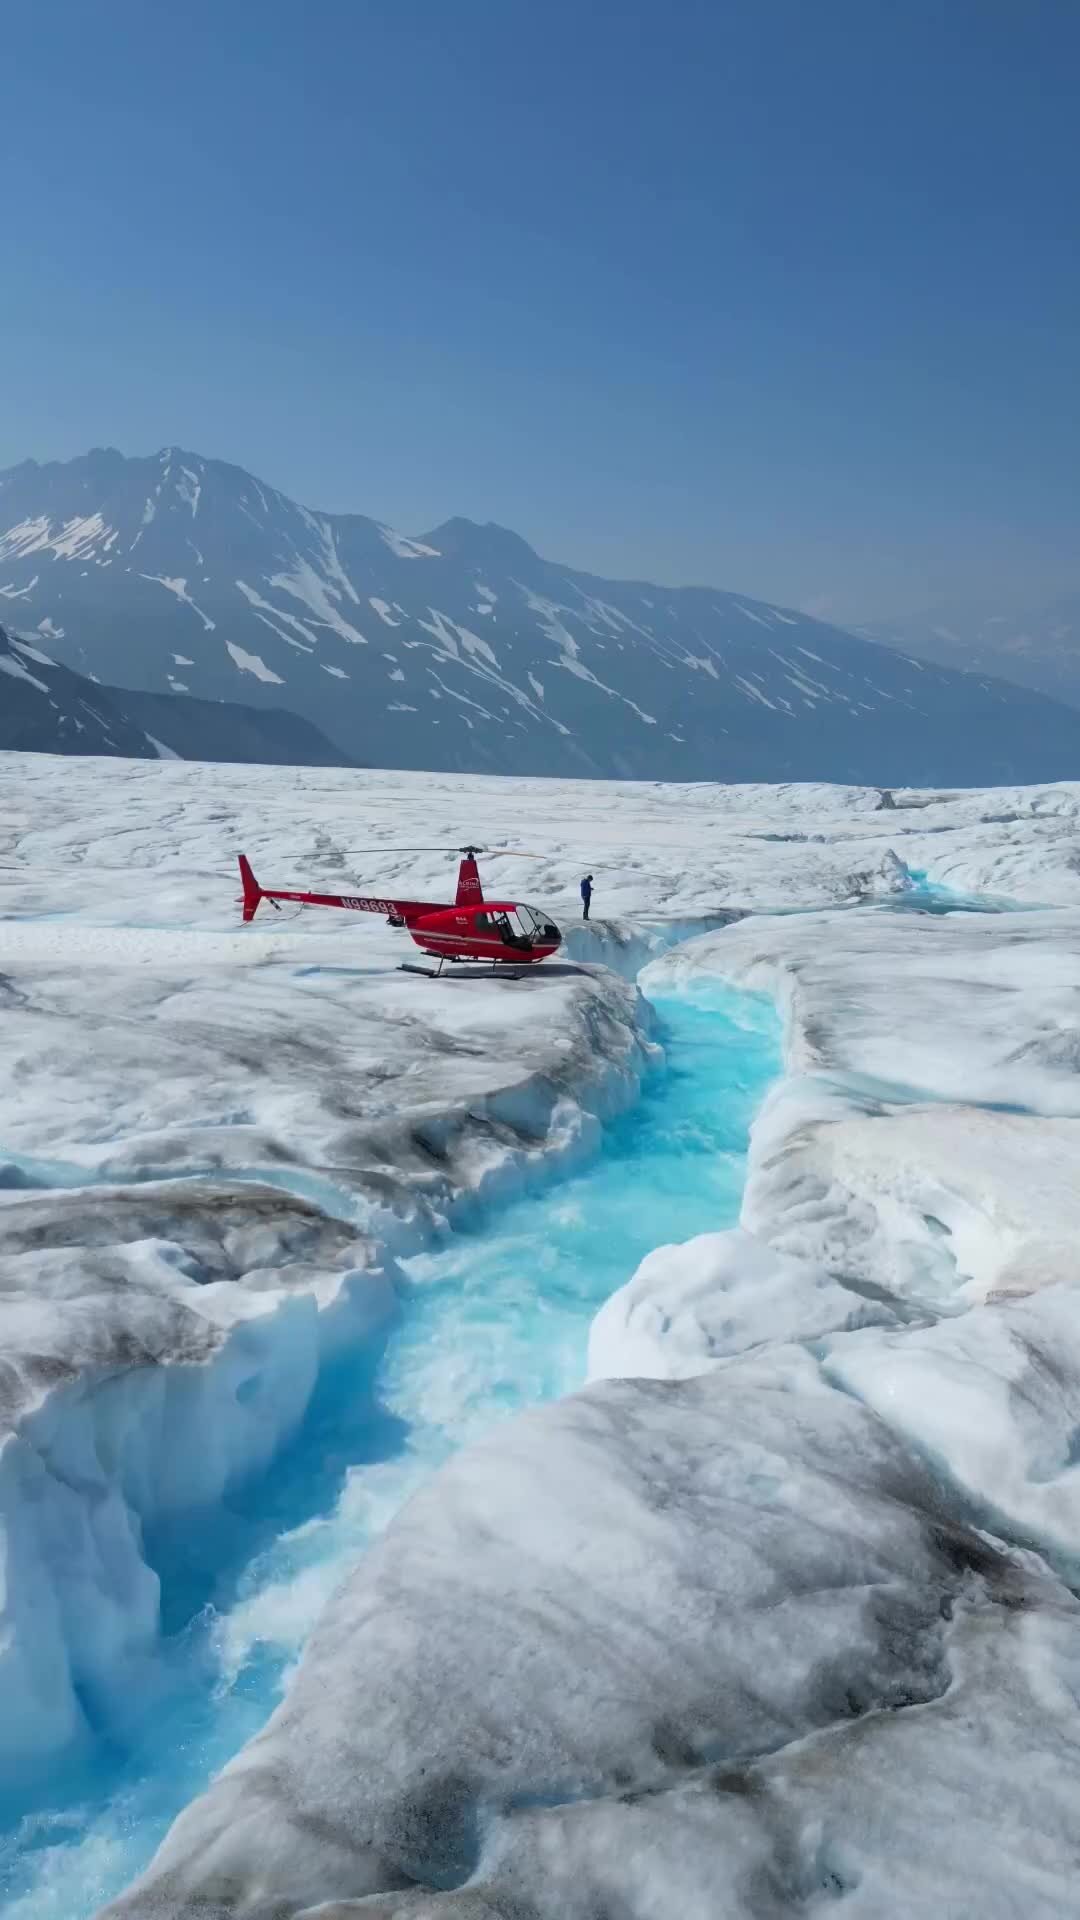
[586, 895]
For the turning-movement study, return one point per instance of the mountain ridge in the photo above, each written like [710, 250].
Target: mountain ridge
[1034, 647]
[47, 708]
[465, 650]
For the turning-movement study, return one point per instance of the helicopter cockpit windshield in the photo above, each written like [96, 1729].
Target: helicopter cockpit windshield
[536, 926]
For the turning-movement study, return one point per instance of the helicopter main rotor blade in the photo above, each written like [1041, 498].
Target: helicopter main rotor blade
[490, 853]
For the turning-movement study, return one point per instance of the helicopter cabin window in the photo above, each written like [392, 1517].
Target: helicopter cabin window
[513, 929]
[535, 924]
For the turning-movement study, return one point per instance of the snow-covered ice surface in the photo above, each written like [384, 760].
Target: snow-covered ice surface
[926, 1138]
[791, 1621]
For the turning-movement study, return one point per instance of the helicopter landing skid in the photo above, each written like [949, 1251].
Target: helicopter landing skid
[433, 973]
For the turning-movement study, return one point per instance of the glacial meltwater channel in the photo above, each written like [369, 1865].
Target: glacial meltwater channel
[494, 1320]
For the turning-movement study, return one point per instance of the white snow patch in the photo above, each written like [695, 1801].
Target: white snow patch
[188, 488]
[179, 588]
[266, 607]
[462, 699]
[382, 608]
[27, 536]
[252, 663]
[16, 671]
[472, 643]
[311, 589]
[443, 629]
[449, 632]
[407, 549]
[810, 694]
[282, 635]
[33, 653]
[752, 692]
[75, 541]
[331, 557]
[615, 620]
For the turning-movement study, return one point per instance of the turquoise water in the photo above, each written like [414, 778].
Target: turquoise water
[494, 1320]
[931, 896]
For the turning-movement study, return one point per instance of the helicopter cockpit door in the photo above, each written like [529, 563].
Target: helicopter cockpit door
[513, 930]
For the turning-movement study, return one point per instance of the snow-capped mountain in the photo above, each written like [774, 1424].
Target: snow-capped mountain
[46, 708]
[464, 649]
[1039, 648]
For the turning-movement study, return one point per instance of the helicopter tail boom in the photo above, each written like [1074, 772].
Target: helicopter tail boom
[400, 912]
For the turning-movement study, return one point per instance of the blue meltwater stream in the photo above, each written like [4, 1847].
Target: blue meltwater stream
[494, 1320]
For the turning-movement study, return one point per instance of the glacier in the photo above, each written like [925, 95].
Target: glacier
[778, 1608]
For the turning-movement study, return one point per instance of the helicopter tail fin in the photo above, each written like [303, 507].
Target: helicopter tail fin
[469, 890]
[253, 893]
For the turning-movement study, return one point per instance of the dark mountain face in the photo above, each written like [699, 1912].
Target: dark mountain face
[46, 708]
[1039, 649]
[465, 650]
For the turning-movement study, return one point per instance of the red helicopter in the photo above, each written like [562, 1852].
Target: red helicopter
[505, 932]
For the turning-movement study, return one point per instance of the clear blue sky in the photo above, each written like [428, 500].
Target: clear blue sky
[779, 294]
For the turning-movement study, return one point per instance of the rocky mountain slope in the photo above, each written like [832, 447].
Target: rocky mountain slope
[1039, 648]
[46, 708]
[464, 649]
